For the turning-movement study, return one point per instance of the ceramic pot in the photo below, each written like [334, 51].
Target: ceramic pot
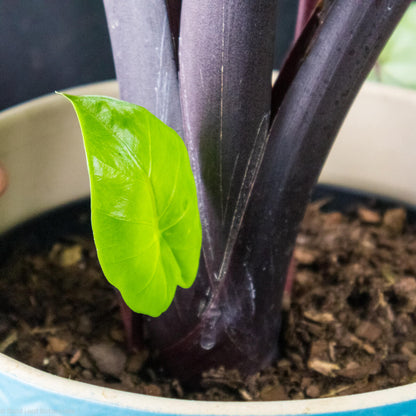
[42, 152]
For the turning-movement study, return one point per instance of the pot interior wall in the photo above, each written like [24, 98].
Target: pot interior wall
[375, 149]
[42, 152]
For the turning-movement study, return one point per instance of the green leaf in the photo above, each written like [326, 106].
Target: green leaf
[396, 64]
[144, 206]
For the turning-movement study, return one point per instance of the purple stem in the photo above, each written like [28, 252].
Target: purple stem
[305, 10]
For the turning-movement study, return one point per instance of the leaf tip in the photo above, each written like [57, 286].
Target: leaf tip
[65, 95]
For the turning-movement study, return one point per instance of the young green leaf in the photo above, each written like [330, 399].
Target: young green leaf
[144, 206]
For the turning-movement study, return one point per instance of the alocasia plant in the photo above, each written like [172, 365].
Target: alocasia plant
[204, 68]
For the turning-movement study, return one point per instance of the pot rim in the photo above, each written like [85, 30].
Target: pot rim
[51, 97]
[80, 390]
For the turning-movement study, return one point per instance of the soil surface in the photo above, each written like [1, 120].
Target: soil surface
[350, 326]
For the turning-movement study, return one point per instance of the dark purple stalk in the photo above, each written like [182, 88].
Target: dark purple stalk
[305, 10]
[133, 325]
[146, 66]
[224, 72]
[225, 83]
[295, 58]
[340, 58]
[143, 56]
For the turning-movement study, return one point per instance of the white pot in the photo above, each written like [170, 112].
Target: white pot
[41, 150]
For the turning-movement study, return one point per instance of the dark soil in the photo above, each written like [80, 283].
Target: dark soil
[350, 327]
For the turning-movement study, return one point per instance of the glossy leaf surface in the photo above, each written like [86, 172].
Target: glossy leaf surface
[144, 207]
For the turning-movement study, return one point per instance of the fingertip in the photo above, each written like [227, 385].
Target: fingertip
[3, 180]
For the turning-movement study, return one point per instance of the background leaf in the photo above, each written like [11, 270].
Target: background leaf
[143, 202]
[396, 64]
